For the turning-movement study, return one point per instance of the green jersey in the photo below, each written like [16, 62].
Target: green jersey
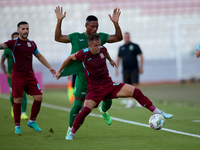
[8, 55]
[79, 41]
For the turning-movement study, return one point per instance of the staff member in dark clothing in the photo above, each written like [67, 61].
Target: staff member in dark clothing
[131, 69]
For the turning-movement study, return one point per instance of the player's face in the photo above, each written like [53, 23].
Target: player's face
[126, 38]
[95, 46]
[23, 31]
[92, 27]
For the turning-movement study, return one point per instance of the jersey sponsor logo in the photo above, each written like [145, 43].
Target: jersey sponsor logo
[122, 48]
[89, 59]
[116, 83]
[102, 55]
[131, 47]
[81, 39]
[18, 44]
[38, 86]
[28, 44]
[84, 93]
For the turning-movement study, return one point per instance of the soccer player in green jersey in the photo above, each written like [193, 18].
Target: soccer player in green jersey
[7, 55]
[79, 41]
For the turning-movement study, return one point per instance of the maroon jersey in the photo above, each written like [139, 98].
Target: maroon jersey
[22, 52]
[95, 68]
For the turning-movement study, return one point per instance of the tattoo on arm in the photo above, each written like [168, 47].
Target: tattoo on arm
[3, 46]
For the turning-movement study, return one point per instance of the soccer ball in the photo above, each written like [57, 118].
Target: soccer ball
[156, 121]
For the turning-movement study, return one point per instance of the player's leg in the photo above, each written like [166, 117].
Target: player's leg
[135, 82]
[17, 114]
[33, 88]
[35, 109]
[127, 77]
[11, 98]
[23, 107]
[128, 90]
[103, 110]
[80, 90]
[88, 106]
[18, 85]
[78, 104]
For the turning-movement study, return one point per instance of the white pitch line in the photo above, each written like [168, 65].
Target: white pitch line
[195, 120]
[113, 118]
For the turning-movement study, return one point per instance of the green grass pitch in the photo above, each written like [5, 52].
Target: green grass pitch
[182, 100]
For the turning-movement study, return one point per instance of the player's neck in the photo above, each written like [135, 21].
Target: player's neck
[22, 38]
[126, 43]
[87, 33]
[94, 53]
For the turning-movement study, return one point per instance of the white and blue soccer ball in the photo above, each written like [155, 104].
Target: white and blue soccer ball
[156, 121]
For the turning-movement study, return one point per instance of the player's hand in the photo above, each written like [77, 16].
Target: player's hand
[8, 75]
[115, 16]
[58, 75]
[197, 53]
[53, 71]
[59, 13]
[116, 72]
[140, 70]
[112, 62]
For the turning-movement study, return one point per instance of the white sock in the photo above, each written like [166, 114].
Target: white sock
[31, 121]
[69, 128]
[72, 133]
[16, 126]
[157, 111]
[23, 113]
[102, 111]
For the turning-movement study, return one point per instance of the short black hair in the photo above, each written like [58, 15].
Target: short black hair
[21, 23]
[93, 37]
[14, 34]
[91, 18]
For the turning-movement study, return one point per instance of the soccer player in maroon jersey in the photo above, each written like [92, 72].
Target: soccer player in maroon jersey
[23, 78]
[99, 83]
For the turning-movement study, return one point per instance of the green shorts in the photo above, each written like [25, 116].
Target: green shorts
[80, 87]
[10, 85]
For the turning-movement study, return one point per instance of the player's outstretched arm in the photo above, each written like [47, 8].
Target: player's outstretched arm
[64, 64]
[58, 34]
[112, 62]
[3, 46]
[3, 67]
[141, 63]
[118, 33]
[43, 60]
[117, 65]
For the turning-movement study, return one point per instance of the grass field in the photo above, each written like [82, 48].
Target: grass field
[182, 100]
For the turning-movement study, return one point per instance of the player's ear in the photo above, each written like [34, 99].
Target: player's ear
[89, 43]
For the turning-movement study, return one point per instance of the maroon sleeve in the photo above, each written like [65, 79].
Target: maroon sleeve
[34, 45]
[79, 55]
[10, 44]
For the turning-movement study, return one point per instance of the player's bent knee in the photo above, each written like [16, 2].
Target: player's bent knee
[18, 100]
[37, 97]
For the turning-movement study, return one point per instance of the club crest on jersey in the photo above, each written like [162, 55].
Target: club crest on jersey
[28, 44]
[102, 55]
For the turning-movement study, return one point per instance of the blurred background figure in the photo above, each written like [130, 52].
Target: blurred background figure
[70, 87]
[198, 51]
[130, 66]
[7, 55]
